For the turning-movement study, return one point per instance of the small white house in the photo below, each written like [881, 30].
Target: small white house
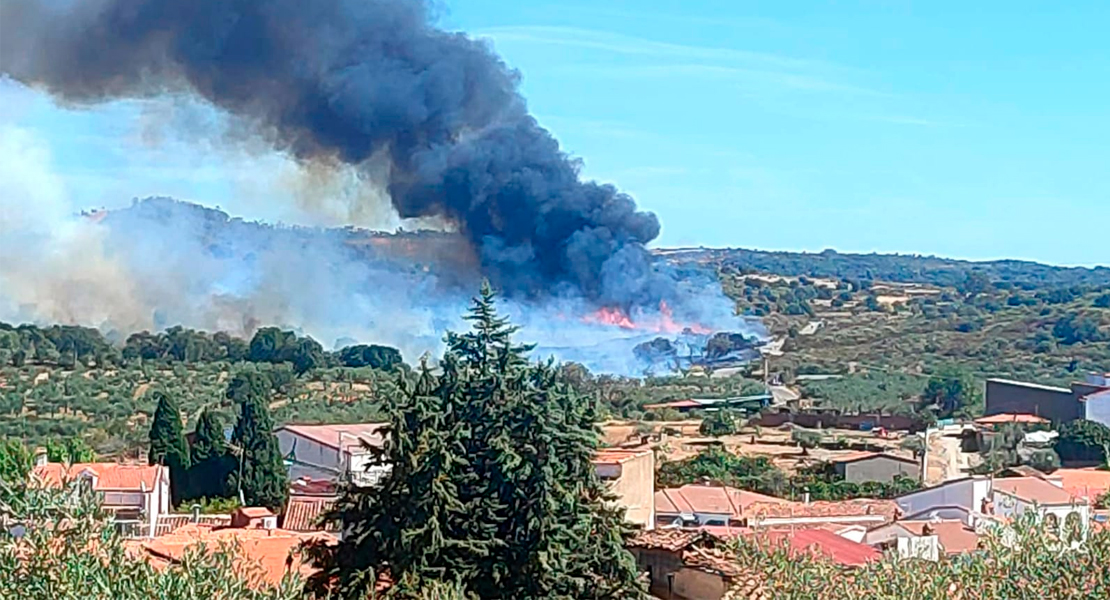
[976, 500]
[136, 495]
[332, 452]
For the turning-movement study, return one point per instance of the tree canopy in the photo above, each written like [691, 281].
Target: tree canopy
[168, 446]
[491, 488]
[260, 473]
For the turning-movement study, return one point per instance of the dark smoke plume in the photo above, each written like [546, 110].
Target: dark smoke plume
[348, 80]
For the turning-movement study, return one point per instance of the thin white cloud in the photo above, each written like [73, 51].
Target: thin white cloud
[625, 44]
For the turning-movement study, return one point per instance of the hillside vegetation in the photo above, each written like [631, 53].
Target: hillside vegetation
[841, 313]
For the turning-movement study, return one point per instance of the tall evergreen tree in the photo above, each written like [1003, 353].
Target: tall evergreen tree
[168, 446]
[491, 487]
[260, 473]
[212, 461]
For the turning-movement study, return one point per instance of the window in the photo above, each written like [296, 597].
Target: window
[1073, 527]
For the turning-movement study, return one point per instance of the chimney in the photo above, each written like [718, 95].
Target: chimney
[41, 457]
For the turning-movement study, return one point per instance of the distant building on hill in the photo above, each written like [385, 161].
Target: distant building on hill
[1052, 403]
[875, 466]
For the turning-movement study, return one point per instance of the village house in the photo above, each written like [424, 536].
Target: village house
[976, 501]
[699, 505]
[862, 467]
[135, 495]
[927, 539]
[332, 452]
[697, 563]
[630, 475]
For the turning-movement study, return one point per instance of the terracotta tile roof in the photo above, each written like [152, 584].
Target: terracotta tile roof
[616, 456]
[263, 555]
[672, 540]
[254, 512]
[306, 486]
[1032, 489]
[1010, 418]
[109, 476]
[1083, 483]
[953, 535]
[351, 435]
[717, 499]
[830, 510]
[302, 513]
[821, 543]
[853, 457]
[713, 560]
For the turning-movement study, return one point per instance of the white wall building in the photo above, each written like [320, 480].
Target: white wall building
[977, 501]
[136, 495]
[1096, 407]
[332, 452]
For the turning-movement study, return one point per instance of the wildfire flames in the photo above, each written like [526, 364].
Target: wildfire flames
[662, 322]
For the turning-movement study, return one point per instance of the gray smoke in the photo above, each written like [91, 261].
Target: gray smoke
[359, 82]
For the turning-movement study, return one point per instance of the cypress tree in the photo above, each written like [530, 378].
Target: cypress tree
[491, 488]
[260, 472]
[168, 446]
[212, 461]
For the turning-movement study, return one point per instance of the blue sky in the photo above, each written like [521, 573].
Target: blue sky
[972, 130]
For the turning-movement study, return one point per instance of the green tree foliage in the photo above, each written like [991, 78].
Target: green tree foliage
[952, 391]
[378, 357]
[491, 488]
[168, 446]
[1083, 440]
[69, 450]
[15, 460]
[1045, 461]
[212, 463]
[806, 440]
[1075, 329]
[974, 283]
[718, 423]
[260, 474]
[307, 354]
[1102, 301]
[759, 474]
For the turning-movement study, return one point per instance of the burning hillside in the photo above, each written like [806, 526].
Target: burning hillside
[431, 119]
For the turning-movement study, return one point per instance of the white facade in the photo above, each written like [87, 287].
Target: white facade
[961, 494]
[330, 452]
[1097, 407]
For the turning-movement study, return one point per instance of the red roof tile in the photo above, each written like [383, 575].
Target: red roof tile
[1031, 489]
[109, 476]
[953, 535]
[822, 543]
[263, 555]
[690, 499]
[302, 513]
[350, 435]
[829, 510]
[1083, 483]
[1010, 418]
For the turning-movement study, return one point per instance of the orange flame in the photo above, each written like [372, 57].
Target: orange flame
[662, 323]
